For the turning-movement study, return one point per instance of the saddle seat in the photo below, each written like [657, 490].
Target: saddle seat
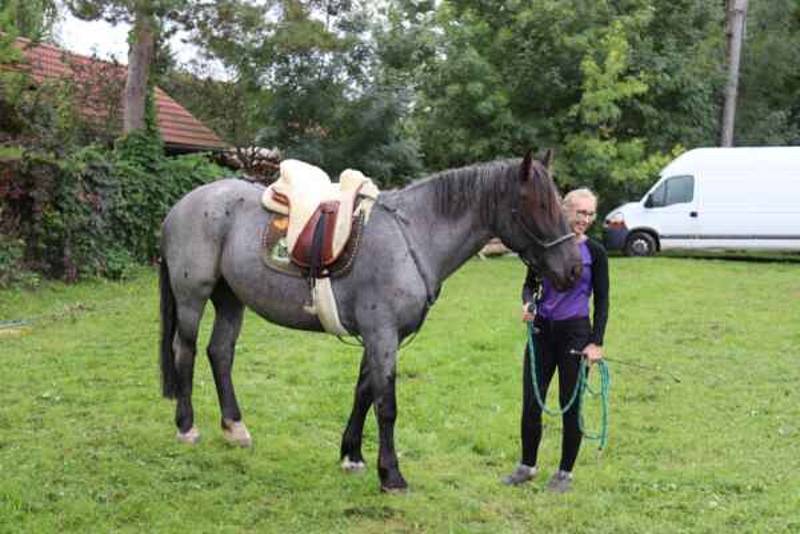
[321, 212]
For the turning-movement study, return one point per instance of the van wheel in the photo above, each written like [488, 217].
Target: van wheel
[640, 244]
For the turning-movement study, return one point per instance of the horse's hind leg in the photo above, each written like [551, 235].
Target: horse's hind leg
[227, 325]
[351, 457]
[189, 313]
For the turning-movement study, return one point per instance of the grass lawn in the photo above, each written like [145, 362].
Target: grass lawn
[87, 444]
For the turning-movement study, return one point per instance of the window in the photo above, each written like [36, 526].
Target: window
[674, 190]
[680, 189]
[658, 198]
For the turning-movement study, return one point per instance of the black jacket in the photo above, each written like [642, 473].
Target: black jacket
[599, 289]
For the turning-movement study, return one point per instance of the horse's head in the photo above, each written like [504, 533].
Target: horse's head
[534, 225]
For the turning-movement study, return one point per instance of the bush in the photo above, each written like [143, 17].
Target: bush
[12, 267]
[96, 212]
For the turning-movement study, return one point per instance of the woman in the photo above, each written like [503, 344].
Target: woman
[562, 325]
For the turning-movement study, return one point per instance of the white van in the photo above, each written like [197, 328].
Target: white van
[715, 198]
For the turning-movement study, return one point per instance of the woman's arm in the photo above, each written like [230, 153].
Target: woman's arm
[530, 285]
[600, 290]
[528, 293]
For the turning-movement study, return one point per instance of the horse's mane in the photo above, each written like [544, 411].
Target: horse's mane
[485, 184]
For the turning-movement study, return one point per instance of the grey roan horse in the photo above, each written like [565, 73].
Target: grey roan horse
[415, 238]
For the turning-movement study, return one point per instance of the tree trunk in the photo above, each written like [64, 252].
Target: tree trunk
[140, 57]
[737, 14]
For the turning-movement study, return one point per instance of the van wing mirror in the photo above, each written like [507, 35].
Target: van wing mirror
[648, 202]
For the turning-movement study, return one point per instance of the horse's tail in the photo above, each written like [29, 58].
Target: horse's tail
[169, 374]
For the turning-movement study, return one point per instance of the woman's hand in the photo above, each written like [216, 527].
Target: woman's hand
[593, 352]
[527, 316]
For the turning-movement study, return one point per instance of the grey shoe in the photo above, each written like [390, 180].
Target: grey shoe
[521, 474]
[560, 482]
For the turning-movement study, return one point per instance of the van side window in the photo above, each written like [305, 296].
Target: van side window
[658, 198]
[680, 189]
[674, 190]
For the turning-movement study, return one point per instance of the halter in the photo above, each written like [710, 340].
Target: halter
[544, 245]
[536, 239]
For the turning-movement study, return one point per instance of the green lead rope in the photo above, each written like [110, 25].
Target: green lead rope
[581, 388]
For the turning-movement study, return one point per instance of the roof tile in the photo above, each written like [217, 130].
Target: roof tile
[178, 127]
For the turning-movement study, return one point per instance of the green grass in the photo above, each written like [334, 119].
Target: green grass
[86, 444]
[10, 152]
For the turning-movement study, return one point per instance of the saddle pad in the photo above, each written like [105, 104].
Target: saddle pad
[274, 251]
[276, 255]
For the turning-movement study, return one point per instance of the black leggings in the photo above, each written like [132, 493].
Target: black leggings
[553, 342]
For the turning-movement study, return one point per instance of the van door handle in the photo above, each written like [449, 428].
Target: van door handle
[693, 214]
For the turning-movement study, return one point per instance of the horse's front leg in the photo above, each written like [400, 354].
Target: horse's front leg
[381, 351]
[351, 457]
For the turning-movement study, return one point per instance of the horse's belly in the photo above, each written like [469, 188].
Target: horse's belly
[279, 298]
[289, 316]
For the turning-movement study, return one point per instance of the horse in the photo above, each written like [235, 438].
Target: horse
[414, 239]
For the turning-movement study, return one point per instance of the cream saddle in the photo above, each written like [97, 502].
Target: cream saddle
[321, 212]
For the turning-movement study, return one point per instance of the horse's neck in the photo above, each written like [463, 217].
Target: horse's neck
[445, 242]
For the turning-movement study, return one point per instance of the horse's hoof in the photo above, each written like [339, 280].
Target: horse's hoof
[400, 490]
[395, 485]
[192, 436]
[235, 433]
[349, 466]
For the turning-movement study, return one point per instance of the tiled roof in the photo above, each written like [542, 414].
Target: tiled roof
[178, 127]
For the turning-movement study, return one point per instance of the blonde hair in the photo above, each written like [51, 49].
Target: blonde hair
[581, 192]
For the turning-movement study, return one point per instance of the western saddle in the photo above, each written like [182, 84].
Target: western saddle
[321, 213]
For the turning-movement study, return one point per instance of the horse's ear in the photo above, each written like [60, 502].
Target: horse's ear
[547, 159]
[525, 168]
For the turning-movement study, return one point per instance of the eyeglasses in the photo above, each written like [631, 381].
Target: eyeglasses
[584, 214]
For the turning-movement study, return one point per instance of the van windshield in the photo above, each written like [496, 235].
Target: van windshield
[673, 190]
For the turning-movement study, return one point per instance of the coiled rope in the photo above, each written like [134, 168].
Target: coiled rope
[581, 388]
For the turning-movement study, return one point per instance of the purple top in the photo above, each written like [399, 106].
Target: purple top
[557, 306]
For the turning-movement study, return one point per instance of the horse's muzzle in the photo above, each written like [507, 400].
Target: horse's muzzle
[571, 278]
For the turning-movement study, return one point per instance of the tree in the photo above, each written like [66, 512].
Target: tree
[464, 110]
[769, 96]
[223, 86]
[736, 20]
[152, 22]
[681, 50]
[33, 19]
[616, 86]
[596, 153]
[10, 82]
[308, 81]
[144, 15]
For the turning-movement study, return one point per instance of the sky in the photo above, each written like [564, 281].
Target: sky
[98, 37]
[107, 41]
[111, 42]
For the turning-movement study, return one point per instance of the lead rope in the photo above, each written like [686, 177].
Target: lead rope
[578, 393]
